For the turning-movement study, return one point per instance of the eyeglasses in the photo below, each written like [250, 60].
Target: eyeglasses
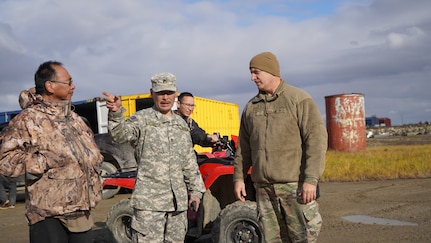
[62, 82]
[188, 105]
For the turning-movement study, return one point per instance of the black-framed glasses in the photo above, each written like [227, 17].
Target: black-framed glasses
[188, 105]
[63, 82]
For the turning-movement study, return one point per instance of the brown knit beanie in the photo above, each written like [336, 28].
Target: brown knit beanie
[266, 61]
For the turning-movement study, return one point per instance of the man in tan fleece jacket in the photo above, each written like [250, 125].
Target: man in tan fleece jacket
[283, 138]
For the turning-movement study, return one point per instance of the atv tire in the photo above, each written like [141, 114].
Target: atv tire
[119, 221]
[237, 222]
[107, 169]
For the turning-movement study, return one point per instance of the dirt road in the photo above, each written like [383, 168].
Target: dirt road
[379, 211]
[407, 201]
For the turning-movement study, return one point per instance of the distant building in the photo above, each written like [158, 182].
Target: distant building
[385, 122]
[371, 121]
[374, 121]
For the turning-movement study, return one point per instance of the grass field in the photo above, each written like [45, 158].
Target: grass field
[384, 158]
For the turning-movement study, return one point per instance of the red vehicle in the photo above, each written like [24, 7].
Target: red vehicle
[219, 216]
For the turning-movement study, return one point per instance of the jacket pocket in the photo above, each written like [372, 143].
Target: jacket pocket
[311, 211]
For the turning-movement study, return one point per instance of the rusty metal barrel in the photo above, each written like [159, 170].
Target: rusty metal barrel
[345, 122]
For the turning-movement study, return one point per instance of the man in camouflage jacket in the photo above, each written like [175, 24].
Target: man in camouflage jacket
[167, 167]
[55, 149]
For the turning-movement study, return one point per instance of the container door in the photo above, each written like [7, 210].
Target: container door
[102, 116]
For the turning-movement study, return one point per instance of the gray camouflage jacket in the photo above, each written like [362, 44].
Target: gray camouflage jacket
[167, 167]
[56, 151]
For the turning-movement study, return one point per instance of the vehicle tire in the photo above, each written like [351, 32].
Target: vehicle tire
[237, 222]
[119, 221]
[107, 169]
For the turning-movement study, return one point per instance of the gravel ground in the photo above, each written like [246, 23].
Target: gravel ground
[383, 202]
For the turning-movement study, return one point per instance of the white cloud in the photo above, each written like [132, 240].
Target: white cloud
[411, 35]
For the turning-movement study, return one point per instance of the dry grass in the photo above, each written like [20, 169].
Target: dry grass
[379, 163]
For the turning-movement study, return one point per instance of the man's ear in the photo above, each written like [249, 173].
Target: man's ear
[48, 87]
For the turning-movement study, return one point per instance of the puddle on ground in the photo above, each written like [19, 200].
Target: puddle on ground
[364, 219]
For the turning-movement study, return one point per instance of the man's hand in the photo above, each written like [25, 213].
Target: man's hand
[194, 203]
[113, 102]
[239, 190]
[308, 192]
[213, 137]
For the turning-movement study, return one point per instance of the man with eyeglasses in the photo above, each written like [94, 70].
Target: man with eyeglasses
[54, 148]
[185, 106]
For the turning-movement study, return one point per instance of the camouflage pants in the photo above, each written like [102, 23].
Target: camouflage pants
[283, 218]
[158, 227]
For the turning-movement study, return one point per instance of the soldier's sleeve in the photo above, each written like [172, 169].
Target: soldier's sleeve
[242, 162]
[122, 130]
[314, 137]
[192, 175]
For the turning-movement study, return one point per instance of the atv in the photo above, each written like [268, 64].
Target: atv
[219, 216]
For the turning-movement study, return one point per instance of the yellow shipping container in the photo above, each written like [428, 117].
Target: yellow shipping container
[211, 115]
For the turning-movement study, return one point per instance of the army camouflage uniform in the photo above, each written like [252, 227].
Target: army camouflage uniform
[279, 203]
[55, 149]
[167, 170]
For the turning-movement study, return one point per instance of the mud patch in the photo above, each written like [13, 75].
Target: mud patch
[364, 219]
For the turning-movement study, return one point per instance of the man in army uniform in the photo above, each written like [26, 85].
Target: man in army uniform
[167, 167]
[283, 137]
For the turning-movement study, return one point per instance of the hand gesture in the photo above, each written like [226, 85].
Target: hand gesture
[113, 102]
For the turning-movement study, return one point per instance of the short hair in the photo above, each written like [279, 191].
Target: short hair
[184, 94]
[44, 73]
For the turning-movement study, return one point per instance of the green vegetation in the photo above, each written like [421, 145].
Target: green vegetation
[379, 163]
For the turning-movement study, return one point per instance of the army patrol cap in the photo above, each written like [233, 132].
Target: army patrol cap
[163, 82]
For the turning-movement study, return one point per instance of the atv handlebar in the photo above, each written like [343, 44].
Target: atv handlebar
[224, 143]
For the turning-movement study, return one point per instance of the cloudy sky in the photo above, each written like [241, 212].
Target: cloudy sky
[379, 48]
